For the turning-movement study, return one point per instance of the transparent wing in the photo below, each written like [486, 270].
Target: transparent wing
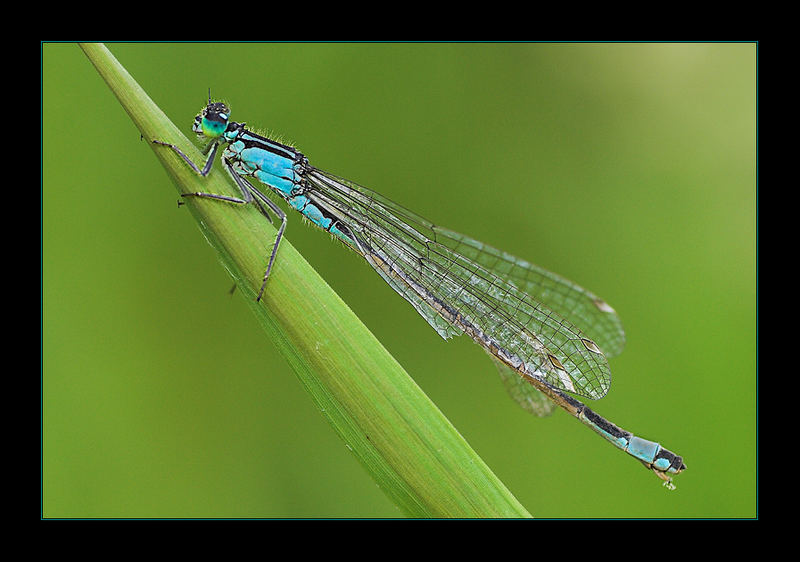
[523, 392]
[584, 309]
[461, 285]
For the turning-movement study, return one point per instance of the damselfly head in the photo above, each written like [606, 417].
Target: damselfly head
[212, 121]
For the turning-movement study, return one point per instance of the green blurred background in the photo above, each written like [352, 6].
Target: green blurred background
[628, 168]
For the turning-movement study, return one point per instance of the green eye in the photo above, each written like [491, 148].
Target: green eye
[213, 128]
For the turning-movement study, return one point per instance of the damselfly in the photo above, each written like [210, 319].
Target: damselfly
[535, 324]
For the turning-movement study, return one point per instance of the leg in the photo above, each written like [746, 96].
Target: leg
[204, 172]
[247, 188]
[209, 161]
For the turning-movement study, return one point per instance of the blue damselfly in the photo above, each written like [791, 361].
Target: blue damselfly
[547, 335]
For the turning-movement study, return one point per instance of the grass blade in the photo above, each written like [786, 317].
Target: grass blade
[406, 444]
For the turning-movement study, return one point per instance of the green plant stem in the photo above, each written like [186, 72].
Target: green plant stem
[406, 444]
